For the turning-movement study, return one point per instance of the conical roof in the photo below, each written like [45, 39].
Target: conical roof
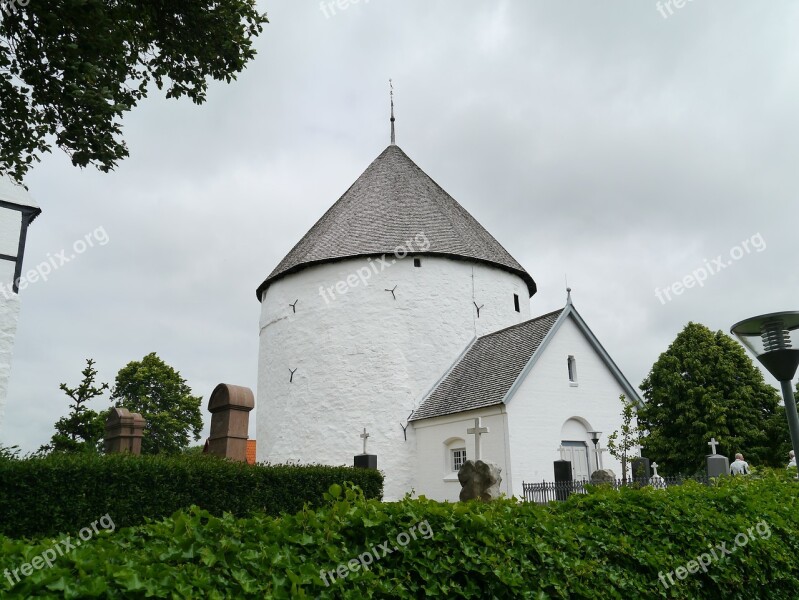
[390, 204]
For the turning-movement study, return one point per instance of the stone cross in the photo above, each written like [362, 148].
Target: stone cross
[477, 431]
[599, 452]
[712, 443]
[655, 469]
[365, 436]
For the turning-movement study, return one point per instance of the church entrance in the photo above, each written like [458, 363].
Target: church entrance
[577, 454]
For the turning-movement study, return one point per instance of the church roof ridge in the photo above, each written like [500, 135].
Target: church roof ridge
[391, 203]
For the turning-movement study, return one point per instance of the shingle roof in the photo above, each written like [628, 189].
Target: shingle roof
[392, 202]
[488, 369]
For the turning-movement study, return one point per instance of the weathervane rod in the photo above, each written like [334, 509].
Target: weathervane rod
[391, 86]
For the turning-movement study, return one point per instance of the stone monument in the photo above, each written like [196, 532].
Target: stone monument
[717, 465]
[479, 480]
[603, 476]
[364, 460]
[123, 431]
[640, 469]
[230, 407]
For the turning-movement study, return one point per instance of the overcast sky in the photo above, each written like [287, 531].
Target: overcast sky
[596, 140]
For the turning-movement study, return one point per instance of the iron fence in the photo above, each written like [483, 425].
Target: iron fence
[549, 491]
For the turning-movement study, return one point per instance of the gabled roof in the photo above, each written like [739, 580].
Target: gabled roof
[485, 373]
[494, 366]
[387, 207]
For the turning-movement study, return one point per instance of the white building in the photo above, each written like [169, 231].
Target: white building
[17, 211]
[399, 313]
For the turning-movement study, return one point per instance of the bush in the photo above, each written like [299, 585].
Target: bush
[603, 545]
[63, 492]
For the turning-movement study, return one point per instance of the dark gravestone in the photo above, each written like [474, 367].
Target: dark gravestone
[640, 469]
[365, 461]
[563, 478]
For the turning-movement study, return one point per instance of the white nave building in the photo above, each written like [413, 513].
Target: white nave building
[399, 313]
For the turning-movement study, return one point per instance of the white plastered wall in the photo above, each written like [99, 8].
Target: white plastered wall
[10, 224]
[545, 400]
[434, 475]
[364, 359]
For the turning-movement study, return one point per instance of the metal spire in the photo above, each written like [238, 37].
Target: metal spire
[393, 139]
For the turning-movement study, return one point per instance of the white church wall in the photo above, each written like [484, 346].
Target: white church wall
[363, 358]
[6, 278]
[546, 400]
[434, 475]
[9, 316]
[10, 226]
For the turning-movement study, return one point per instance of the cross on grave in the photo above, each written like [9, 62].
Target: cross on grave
[365, 436]
[599, 452]
[655, 469]
[712, 443]
[477, 431]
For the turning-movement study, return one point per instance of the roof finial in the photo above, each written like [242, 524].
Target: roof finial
[568, 290]
[391, 85]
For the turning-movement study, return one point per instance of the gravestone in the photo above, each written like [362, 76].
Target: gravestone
[640, 469]
[656, 481]
[717, 465]
[603, 476]
[123, 431]
[563, 479]
[365, 460]
[230, 407]
[479, 480]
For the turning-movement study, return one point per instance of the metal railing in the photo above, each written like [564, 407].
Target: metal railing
[550, 491]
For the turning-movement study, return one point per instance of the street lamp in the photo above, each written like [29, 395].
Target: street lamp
[595, 438]
[774, 340]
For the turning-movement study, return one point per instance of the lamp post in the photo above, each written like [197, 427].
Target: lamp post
[595, 438]
[774, 340]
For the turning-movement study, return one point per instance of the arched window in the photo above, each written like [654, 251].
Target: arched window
[454, 454]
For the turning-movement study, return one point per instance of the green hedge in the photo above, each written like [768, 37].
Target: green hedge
[63, 493]
[604, 545]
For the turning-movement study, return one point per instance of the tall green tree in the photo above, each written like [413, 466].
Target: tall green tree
[706, 386]
[70, 69]
[623, 441]
[155, 390]
[82, 429]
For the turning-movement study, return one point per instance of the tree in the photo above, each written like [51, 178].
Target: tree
[158, 393]
[82, 429]
[622, 441]
[9, 452]
[69, 70]
[706, 386]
